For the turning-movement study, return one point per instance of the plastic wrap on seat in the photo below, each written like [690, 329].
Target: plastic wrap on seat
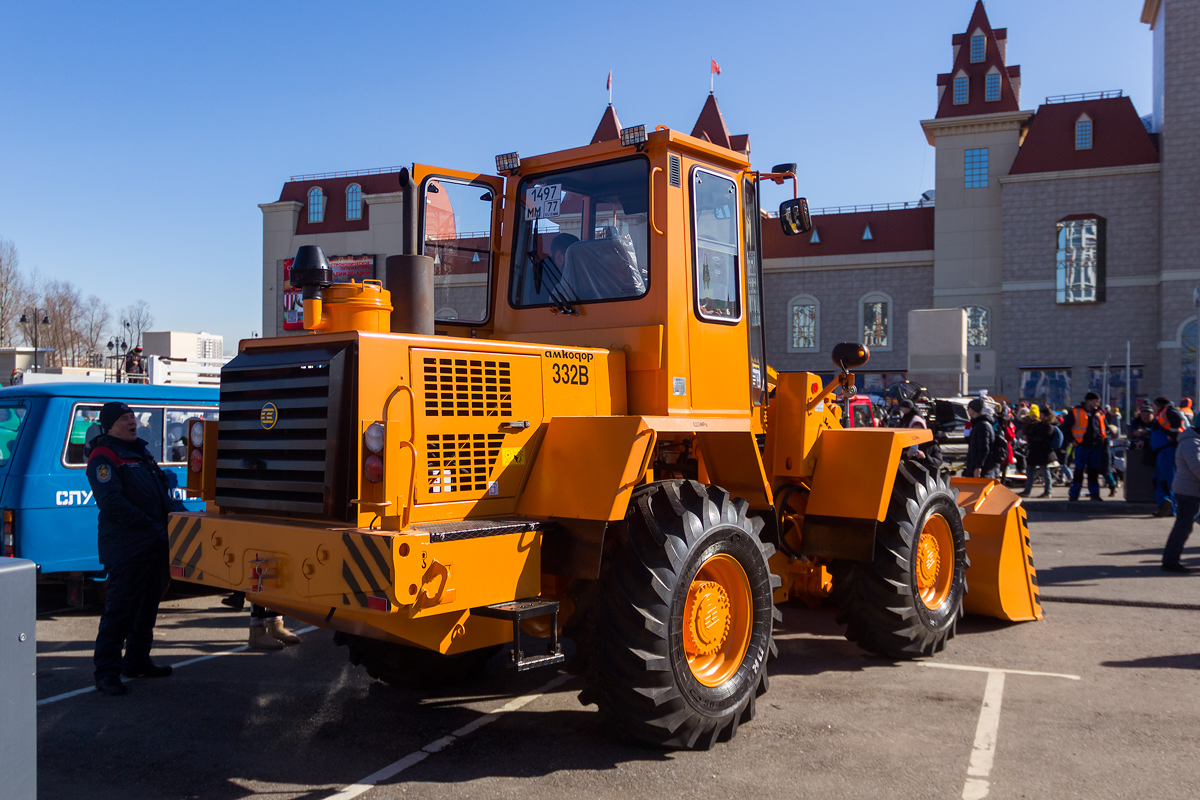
[602, 269]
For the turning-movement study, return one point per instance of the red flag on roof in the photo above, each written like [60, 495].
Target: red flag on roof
[716, 68]
[609, 84]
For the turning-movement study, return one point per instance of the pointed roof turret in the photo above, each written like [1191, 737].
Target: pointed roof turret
[711, 127]
[609, 128]
[979, 52]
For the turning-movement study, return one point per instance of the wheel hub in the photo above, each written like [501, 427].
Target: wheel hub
[708, 617]
[933, 565]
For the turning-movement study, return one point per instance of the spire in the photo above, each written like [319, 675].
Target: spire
[609, 127]
[979, 52]
[710, 127]
[712, 123]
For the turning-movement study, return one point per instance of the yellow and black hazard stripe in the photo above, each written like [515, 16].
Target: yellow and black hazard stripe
[365, 568]
[186, 547]
[1031, 573]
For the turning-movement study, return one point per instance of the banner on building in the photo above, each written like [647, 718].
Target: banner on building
[345, 269]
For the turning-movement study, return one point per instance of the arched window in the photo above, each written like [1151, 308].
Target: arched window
[354, 201]
[991, 86]
[316, 205]
[1083, 132]
[978, 326]
[875, 320]
[804, 334]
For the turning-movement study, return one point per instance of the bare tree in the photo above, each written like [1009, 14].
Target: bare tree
[95, 319]
[12, 291]
[140, 319]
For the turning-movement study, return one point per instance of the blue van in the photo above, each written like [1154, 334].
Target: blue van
[47, 513]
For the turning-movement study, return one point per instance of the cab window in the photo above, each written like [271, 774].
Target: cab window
[715, 234]
[582, 236]
[152, 427]
[458, 237]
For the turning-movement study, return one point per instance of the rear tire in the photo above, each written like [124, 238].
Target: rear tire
[906, 602]
[412, 667]
[674, 638]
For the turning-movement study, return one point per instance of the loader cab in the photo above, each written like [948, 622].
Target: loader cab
[649, 245]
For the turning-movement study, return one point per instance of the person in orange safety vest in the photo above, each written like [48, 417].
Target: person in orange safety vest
[1086, 425]
[1164, 435]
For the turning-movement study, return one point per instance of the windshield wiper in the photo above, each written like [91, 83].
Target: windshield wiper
[558, 298]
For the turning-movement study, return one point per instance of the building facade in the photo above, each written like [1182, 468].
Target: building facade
[1063, 232]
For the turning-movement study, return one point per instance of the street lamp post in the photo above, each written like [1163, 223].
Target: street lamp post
[45, 321]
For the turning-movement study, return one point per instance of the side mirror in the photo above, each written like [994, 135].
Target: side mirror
[793, 215]
[850, 355]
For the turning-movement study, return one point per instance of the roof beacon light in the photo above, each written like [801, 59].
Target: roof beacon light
[508, 162]
[635, 134]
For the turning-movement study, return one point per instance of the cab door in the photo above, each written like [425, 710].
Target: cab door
[459, 226]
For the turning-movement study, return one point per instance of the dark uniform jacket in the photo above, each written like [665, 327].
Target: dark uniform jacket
[979, 445]
[133, 494]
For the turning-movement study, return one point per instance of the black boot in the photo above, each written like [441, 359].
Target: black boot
[147, 670]
[111, 685]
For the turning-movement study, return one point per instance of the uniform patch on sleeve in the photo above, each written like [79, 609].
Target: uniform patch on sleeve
[103, 473]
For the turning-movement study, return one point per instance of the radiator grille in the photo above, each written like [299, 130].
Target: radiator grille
[461, 462]
[467, 387]
[289, 468]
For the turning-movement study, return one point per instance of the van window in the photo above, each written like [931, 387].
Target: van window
[11, 419]
[177, 429]
[156, 425]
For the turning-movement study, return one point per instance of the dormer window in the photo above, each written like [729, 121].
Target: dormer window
[1083, 133]
[316, 205]
[992, 87]
[978, 48]
[354, 201]
[960, 90]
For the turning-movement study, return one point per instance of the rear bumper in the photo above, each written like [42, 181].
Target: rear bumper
[396, 586]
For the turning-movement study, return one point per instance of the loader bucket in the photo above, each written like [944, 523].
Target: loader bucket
[1001, 581]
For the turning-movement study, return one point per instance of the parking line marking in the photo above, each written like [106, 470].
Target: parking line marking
[967, 668]
[417, 756]
[197, 659]
[983, 752]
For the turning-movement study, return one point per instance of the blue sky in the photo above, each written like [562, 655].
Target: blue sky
[139, 139]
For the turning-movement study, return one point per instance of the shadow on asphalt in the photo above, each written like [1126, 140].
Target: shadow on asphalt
[1093, 574]
[1183, 661]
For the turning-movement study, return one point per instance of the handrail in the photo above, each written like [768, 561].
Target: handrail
[352, 173]
[653, 224]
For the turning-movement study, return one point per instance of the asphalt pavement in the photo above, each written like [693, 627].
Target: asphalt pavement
[1101, 699]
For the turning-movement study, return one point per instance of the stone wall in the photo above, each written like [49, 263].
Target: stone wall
[839, 292]
[1037, 330]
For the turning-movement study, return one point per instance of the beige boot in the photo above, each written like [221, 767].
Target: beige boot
[261, 639]
[282, 634]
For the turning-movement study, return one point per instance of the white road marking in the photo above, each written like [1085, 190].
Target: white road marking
[196, 660]
[967, 668]
[983, 751]
[783, 637]
[417, 756]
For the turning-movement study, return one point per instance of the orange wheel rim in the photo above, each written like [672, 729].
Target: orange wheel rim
[935, 561]
[716, 620]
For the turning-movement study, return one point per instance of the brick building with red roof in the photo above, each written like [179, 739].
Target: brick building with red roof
[1061, 231]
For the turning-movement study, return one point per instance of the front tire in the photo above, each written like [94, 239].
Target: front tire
[906, 602]
[676, 636]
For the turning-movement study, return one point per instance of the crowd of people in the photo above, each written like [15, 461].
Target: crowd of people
[1080, 442]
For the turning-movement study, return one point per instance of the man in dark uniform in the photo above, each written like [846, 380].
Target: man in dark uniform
[134, 498]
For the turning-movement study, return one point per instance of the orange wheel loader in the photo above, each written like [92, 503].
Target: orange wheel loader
[554, 418]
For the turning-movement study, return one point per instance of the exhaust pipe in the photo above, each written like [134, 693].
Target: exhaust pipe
[409, 276]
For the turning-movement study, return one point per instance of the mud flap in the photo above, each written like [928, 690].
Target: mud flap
[1001, 581]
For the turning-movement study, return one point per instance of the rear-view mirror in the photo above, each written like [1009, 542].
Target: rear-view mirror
[793, 215]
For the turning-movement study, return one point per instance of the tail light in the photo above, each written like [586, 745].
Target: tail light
[8, 534]
[201, 460]
[373, 439]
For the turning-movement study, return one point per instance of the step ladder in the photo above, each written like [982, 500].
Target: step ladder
[517, 610]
